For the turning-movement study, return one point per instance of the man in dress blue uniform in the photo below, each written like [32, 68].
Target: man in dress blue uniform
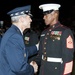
[56, 44]
[13, 52]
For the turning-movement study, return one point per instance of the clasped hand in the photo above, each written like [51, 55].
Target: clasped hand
[35, 66]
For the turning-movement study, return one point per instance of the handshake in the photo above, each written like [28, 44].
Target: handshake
[35, 66]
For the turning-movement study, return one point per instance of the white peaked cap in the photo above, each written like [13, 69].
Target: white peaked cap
[51, 6]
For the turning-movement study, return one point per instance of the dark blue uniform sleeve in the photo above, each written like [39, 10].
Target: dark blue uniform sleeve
[31, 50]
[17, 57]
[67, 51]
[39, 55]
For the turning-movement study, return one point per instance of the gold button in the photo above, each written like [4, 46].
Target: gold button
[49, 29]
[47, 33]
[55, 67]
[45, 43]
[44, 52]
[53, 26]
[46, 38]
[44, 58]
[44, 47]
[53, 40]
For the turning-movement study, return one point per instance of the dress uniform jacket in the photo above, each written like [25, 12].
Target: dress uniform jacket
[56, 50]
[14, 54]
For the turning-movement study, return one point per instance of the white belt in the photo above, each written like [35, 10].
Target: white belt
[52, 59]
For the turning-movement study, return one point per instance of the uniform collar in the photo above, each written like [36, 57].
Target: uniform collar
[17, 29]
[55, 25]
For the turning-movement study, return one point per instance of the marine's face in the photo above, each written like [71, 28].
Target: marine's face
[48, 18]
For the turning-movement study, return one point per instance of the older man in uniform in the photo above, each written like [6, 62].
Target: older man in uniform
[56, 44]
[13, 52]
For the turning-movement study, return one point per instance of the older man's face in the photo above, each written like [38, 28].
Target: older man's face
[27, 21]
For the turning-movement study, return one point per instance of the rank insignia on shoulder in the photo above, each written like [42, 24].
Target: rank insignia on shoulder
[69, 42]
[68, 67]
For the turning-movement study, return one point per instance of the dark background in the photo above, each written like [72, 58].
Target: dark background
[67, 10]
[7, 5]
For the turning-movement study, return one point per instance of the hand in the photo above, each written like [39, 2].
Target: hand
[35, 66]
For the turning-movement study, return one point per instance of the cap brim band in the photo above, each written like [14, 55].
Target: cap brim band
[47, 12]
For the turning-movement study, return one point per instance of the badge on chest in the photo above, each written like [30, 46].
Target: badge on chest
[26, 40]
[55, 35]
